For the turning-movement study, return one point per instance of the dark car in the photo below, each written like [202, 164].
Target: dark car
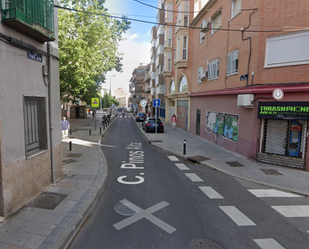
[150, 124]
[141, 117]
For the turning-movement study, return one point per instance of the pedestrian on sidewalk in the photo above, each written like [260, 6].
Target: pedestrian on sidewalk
[65, 126]
[174, 121]
[148, 113]
[93, 114]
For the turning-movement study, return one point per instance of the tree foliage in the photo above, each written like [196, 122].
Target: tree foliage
[88, 48]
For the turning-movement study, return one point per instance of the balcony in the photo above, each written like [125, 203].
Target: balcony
[33, 18]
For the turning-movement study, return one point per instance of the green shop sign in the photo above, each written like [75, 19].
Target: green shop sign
[284, 110]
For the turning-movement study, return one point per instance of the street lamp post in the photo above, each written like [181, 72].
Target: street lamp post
[110, 89]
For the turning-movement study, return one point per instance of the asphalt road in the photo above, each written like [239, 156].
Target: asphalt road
[153, 202]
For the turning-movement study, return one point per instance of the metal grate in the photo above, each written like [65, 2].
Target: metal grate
[235, 164]
[283, 137]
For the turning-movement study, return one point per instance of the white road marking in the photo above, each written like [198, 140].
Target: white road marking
[238, 217]
[147, 214]
[268, 244]
[293, 211]
[211, 193]
[173, 158]
[271, 193]
[182, 166]
[194, 177]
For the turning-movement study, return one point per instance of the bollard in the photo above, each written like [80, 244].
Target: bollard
[70, 146]
[100, 130]
[103, 127]
[184, 146]
[89, 132]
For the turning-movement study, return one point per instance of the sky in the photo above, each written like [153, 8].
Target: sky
[136, 46]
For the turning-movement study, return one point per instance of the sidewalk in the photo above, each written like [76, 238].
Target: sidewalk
[283, 178]
[84, 175]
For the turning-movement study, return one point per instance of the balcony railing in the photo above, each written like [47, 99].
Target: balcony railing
[34, 18]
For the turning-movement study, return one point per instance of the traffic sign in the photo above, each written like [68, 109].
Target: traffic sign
[156, 103]
[95, 102]
[143, 103]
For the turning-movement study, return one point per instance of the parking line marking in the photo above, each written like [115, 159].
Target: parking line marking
[238, 217]
[173, 158]
[182, 166]
[260, 193]
[147, 214]
[193, 177]
[268, 243]
[211, 193]
[290, 211]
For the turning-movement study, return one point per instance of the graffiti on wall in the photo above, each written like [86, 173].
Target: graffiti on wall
[222, 123]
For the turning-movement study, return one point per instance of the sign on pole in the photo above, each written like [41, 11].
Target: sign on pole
[156, 103]
[143, 103]
[95, 102]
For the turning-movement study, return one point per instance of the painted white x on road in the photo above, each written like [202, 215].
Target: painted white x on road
[147, 214]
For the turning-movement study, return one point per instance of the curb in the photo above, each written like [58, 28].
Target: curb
[69, 233]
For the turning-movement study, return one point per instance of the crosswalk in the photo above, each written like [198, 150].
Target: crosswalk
[238, 217]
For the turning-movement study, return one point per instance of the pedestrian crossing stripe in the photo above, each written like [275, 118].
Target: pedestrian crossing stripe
[95, 102]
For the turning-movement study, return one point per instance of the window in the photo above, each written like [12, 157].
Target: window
[213, 69]
[183, 86]
[216, 21]
[185, 48]
[175, 49]
[172, 88]
[236, 7]
[288, 49]
[169, 61]
[199, 74]
[178, 48]
[186, 21]
[35, 125]
[232, 62]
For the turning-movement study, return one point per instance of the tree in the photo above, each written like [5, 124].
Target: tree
[88, 48]
[108, 100]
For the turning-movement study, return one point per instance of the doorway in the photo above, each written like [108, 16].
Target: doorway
[198, 122]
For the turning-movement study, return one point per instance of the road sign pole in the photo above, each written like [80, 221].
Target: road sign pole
[156, 120]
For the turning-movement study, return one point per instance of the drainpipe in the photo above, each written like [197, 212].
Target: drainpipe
[250, 45]
[51, 128]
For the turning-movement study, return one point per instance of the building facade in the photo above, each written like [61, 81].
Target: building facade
[249, 88]
[30, 113]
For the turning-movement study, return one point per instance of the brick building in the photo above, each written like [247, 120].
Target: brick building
[223, 62]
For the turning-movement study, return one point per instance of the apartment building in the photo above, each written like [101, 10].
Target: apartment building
[137, 87]
[249, 78]
[177, 66]
[30, 113]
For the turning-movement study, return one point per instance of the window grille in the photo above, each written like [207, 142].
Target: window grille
[185, 47]
[232, 62]
[213, 69]
[35, 125]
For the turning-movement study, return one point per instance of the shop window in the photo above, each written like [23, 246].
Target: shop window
[35, 125]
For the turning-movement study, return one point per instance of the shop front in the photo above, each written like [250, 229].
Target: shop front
[283, 133]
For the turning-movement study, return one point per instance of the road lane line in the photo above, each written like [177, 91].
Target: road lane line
[193, 177]
[260, 193]
[211, 193]
[238, 217]
[182, 166]
[268, 243]
[173, 158]
[290, 211]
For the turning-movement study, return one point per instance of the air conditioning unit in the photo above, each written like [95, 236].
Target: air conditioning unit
[205, 74]
[245, 100]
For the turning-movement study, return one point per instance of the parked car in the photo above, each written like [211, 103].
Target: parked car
[141, 117]
[150, 124]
